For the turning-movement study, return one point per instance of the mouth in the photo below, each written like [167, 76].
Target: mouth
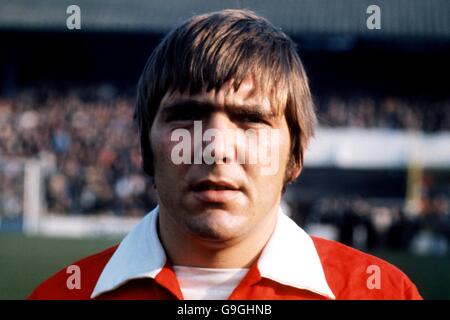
[215, 191]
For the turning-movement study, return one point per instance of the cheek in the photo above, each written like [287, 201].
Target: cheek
[273, 152]
[285, 148]
[285, 143]
[276, 150]
[172, 154]
[161, 147]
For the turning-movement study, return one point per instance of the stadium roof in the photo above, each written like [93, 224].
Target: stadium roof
[399, 18]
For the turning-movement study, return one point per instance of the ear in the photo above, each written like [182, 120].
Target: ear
[293, 171]
[296, 170]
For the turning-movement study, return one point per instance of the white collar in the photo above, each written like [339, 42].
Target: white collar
[141, 255]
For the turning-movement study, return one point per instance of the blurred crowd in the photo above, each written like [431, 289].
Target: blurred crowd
[371, 224]
[89, 141]
[11, 189]
[388, 112]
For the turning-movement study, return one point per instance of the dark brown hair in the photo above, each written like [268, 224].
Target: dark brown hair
[210, 49]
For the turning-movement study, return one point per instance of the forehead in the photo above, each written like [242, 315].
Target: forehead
[247, 94]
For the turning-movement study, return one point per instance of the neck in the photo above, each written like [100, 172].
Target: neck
[186, 249]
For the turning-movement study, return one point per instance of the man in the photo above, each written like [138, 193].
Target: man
[219, 89]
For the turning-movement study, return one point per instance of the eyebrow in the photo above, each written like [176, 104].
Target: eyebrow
[205, 107]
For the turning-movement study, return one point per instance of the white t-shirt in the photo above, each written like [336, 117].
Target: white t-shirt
[208, 283]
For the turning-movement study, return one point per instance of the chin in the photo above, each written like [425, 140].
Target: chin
[217, 225]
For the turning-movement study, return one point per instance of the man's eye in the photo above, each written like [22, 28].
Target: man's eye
[252, 119]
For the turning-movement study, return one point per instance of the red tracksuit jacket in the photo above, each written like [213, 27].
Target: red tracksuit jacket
[315, 269]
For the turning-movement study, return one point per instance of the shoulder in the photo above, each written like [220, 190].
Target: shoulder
[353, 274]
[76, 281]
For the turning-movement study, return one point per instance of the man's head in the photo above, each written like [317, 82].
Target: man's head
[231, 70]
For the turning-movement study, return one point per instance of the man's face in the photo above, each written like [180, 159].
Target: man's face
[227, 198]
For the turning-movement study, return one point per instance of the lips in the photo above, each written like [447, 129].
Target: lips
[214, 185]
[217, 191]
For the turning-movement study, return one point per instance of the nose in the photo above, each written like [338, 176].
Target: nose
[219, 140]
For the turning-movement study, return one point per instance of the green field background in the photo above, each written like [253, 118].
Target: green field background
[27, 261]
